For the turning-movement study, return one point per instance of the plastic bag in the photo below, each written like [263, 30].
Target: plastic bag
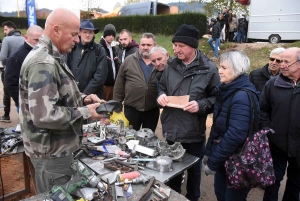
[115, 117]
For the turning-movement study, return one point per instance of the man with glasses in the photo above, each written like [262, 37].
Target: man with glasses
[88, 62]
[280, 109]
[260, 76]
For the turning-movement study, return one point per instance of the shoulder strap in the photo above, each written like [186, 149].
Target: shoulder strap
[253, 114]
[97, 51]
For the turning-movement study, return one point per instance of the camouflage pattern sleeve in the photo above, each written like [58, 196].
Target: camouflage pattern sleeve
[52, 100]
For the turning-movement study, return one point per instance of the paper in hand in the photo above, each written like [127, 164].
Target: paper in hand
[178, 101]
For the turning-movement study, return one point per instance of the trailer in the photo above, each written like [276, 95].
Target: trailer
[274, 20]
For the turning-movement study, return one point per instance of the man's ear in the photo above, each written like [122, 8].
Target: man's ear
[56, 30]
[168, 55]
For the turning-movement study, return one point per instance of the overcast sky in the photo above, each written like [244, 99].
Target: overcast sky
[11, 5]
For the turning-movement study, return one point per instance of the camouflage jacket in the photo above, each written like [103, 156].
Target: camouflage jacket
[51, 105]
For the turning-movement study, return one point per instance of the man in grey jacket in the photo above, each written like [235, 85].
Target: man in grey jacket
[189, 73]
[11, 43]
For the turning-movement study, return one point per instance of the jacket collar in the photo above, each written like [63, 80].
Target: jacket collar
[87, 45]
[225, 91]
[14, 33]
[284, 82]
[199, 63]
[132, 44]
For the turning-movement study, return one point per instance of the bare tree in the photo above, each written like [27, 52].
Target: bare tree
[89, 6]
[215, 6]
[134, 1]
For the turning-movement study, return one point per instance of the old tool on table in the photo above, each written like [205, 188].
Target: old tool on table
[147, 191]
[85, 177]
[141, 179]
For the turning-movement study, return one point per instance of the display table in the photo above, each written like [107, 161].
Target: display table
[138, 189]
[178, 167]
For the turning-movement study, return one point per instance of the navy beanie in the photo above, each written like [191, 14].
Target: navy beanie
[187, 34]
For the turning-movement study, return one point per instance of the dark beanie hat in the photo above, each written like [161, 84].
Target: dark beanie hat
[109, 30]
[187, 34]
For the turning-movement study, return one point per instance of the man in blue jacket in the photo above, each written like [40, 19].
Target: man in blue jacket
[280, 109]
[189, 73]
[15, 61]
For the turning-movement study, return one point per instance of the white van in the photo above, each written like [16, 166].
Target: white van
[274, 20]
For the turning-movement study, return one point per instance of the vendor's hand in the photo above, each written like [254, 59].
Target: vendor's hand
[95, 115]
[209, 171]
[92, 98]
[191, 107]
[163, 100]
[205, 159]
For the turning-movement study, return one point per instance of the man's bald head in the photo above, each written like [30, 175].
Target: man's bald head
[34, 28]
[294, 51]
[62, 27]
[290, 63]
[33, 34]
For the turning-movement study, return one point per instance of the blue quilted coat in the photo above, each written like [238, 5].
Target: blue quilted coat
[239, 120]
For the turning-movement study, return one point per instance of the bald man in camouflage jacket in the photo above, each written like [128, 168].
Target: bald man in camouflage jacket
[51, 106]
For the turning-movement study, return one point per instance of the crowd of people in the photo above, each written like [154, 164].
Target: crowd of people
[226, 27]
[64, 75]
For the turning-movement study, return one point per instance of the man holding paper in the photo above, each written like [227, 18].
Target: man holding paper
[191, 74]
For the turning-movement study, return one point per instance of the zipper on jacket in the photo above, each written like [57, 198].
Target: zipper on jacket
[190, 84]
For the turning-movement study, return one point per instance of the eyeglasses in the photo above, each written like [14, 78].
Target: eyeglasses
[273, 59]
[87, 32]
[290, 64]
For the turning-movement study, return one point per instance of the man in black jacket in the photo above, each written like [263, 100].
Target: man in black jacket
[260, 76]
[280, 109]
[215, 37]
[107, 41]
[129, 46]
[189, 73]
[15, 61]
[88, 62]
[242, 29]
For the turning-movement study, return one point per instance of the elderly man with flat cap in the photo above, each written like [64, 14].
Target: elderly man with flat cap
[189, 73]
[88, 62]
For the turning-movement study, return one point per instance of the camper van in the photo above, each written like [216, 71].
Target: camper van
[274, 20]
[145, 8]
